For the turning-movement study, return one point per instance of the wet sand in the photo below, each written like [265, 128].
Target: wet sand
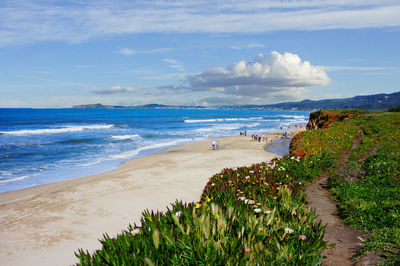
[44, 225]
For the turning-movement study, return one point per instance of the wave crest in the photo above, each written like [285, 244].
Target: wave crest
[55, 130]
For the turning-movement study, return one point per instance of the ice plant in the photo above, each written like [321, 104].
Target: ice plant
[258, 210]
[251, 202]
[302, 237]
[289, 230]
[135, 231]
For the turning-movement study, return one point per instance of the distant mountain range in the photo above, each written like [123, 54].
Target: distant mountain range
[369, 102]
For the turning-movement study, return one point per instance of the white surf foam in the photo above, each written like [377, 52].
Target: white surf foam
[226, 127]
[135, 152]
[221, 120]
[13, 179]
[55, 130]
[125, 137]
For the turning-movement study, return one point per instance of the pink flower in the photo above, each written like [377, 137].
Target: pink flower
[247, 249]
[378, 171]
[302, 237]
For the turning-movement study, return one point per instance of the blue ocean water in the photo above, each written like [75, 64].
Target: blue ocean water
[39, 146]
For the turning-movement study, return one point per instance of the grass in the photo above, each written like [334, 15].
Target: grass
[371, 200]
[257, 215]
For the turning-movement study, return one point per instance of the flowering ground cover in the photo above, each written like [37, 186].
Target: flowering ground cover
[257, 215]
[246, 215]
[368, 187]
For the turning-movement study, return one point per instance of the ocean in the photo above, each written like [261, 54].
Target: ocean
[40, 146]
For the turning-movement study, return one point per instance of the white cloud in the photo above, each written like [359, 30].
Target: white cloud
[246, 46]
[174, 64]
[117, 89]
[129, 51]
[126, 51]
[273, 75]
[26, 21]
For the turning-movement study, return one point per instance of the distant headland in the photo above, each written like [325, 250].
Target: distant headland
[367, 102]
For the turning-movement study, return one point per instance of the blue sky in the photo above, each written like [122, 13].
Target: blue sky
[62, 53]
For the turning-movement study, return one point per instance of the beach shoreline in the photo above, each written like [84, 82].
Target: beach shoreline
[47, 223]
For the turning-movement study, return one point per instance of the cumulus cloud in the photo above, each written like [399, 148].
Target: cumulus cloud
[117, 89]
[268, 75]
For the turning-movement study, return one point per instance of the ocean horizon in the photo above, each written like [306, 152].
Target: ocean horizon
[41, 146]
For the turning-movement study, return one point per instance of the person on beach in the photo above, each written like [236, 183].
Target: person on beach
[213, 144]
[217, 145]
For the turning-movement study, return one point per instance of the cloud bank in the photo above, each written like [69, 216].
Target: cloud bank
[116, 90]
[267, 76]
[27, 21]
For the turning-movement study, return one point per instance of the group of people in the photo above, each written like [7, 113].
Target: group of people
[215, 144]
[258, 138]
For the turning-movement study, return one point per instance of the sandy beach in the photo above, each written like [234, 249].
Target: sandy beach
[44, 225]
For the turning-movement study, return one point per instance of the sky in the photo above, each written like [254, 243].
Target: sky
[62, 53]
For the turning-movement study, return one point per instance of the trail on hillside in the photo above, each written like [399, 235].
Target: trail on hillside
[345, 241]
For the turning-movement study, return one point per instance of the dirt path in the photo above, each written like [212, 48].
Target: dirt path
[345, 240]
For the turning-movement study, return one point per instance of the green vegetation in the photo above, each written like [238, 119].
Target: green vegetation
[246, 215]
[394, 109]
[257, 215]
[370, 198]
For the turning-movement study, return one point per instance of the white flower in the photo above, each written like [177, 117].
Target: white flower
[178, 214]
[300, 183]
[292, 158]
[293, 213]
[250, 201]
[135, 231]
[241, 198]
[247, 177]
[258, 210]
[213, 184]
[266, 184]
[267, 211]
[251, 172]
[289, 230]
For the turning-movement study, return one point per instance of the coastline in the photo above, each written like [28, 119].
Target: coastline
[46, 224]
